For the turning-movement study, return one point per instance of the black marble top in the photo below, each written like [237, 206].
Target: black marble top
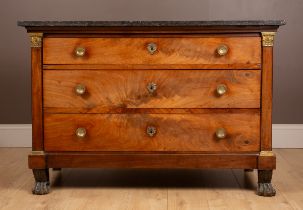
[150, 23]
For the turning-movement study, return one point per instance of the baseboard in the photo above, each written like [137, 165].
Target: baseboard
[287, 135]
[15, 135]
[19, 135]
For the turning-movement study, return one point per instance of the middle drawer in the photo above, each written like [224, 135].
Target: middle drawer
[101, 91]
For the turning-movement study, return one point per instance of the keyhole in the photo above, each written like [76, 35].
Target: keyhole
[151, 131]
[151, 47]
[151, 87]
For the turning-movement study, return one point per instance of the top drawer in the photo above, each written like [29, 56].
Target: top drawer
[161, 52]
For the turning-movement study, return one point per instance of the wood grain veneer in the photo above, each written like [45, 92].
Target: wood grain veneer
[172, 51]
[112, 90]
[175, 132]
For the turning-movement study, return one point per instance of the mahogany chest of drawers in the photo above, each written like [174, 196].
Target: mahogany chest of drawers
[152, 95]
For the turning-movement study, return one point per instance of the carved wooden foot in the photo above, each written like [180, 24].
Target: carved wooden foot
[265, 187]
[42, 185]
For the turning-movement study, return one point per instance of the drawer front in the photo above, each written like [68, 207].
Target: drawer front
[122, 89]
[242, 52]
[153, 132]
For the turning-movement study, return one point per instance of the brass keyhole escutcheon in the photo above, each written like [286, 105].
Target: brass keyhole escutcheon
[152, 48]
[151, 131]
[151, 87]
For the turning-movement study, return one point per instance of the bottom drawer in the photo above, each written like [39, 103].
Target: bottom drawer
[198, 132]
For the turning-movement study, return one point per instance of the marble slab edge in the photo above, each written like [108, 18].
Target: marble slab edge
[150, 23]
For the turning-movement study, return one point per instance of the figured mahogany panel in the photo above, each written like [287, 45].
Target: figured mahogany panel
[107, 91]
[170, 51]
[174, 132]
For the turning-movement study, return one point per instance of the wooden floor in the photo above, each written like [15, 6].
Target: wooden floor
[150, 189]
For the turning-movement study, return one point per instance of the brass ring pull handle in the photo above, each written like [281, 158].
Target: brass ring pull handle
[220, 133]
[151, 131]
[151, 87]
[151, 48]
[81, 132]
[80, 51]
[222, 50]
[221, 89]
[80, 89]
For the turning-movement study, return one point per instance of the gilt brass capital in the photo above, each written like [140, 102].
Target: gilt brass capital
[36, 39]
[267, 153]
[268, 39]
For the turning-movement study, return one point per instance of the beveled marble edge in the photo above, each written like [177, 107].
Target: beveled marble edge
[150, 23]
